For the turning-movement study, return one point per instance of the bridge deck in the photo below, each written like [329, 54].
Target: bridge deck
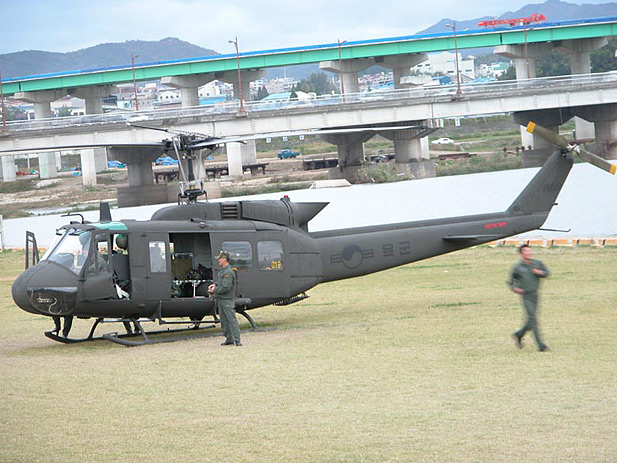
[564, 30]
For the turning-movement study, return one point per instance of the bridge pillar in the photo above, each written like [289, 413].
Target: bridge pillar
[525, 58]
[88, 167]
[243, 153]
[579, 52]
[8, 169]
[548, 118]
[47, 165]
[605, 120]
[411, 152]
[349, 70]
[141, 189]
[240, 154]
[94, 160]
[42, 110]
[401, 65]
[231, 77]
[350, 147]
[42, 101]
[93, 96]
[189, 86]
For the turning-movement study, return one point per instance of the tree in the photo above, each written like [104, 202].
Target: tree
[603, 60]
[15, 113]
[262, 92]
[510, 74]
[318, 83]
[64, 111]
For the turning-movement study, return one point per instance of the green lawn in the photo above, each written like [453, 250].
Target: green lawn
[415, 364]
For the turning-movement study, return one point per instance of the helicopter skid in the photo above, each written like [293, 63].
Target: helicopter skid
[55, 337]
[125, 339]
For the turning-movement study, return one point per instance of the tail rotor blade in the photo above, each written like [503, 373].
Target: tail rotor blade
[560, 141]
[596, 161]
[549, 136]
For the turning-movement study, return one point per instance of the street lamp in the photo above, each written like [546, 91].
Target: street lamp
[134, 82]
[235, 42]
[4, 129]
[340, 65]
[458, 74]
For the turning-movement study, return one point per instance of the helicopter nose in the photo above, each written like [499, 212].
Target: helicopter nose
[46, 288]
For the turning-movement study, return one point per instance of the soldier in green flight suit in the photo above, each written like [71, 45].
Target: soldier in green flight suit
[525, 280]
[225, 291]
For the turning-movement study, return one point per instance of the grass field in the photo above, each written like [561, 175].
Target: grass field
[412, 364]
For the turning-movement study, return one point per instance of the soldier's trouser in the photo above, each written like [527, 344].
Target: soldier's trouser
[229, 322]
[530, 302]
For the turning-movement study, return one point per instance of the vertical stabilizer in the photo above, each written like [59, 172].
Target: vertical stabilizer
[541, 193]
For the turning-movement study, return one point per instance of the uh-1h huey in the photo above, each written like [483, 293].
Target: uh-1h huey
[159, 270]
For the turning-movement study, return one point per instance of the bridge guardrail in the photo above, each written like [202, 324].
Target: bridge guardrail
[233, 107]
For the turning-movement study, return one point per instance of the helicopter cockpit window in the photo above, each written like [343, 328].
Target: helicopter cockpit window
[99, 261]
[240, 254]
[270, 255]
[70, 250]
[158, 256]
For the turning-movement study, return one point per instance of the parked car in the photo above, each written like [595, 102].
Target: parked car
[443, 141]
[287, 153]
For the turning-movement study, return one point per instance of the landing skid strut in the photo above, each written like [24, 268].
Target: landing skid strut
[142, 337]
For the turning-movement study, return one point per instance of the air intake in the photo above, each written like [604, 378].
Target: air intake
[230, 210]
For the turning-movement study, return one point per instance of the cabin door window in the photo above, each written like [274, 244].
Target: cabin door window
[158, 256]
[159, 266]
[98, 279]
[270, 255]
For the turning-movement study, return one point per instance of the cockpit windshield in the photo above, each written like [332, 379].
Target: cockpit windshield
[70, 249]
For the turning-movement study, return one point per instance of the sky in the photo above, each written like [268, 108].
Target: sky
[70, 25]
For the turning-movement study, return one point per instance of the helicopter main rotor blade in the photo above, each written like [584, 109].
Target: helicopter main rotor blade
[292, 133]
[561, 141]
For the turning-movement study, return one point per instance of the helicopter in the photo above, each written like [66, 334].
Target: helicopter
[158, 270]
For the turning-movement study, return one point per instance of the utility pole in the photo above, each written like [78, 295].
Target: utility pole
[235, 42]
[134, 82]
[458, 74]
[340, 65]
[4, 129]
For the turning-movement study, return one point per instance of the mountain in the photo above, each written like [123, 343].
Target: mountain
[30, 62]
[553, 10]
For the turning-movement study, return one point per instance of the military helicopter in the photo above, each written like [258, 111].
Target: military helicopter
[159, 269]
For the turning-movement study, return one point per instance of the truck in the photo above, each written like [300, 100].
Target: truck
[287, 153]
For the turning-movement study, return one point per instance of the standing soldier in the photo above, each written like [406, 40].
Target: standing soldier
[525, 280]
[225, 291]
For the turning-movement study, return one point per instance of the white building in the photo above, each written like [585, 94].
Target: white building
[445, 64]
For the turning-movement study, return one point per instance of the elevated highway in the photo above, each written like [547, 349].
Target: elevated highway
[377, 51]
[523, 44]
[548, 101]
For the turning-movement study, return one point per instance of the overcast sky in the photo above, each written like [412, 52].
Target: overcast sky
[69, 25]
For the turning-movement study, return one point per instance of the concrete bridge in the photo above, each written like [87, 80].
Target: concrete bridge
[553, 101]
[548, 101]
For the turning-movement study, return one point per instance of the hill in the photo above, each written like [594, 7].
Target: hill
[31, 62]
